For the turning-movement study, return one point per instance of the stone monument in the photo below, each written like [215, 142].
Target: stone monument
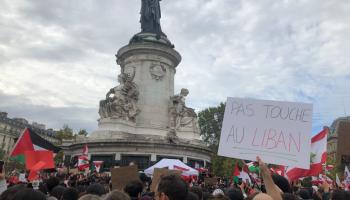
[141, 120]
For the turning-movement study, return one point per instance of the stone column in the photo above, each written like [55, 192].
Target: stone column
[154, 66]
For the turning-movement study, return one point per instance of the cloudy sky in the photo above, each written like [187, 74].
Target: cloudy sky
[57, 57]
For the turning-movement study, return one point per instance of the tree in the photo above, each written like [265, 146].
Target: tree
[210, 122]
[83, 132]
[65, 133]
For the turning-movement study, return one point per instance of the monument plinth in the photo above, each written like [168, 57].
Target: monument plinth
[141, 119]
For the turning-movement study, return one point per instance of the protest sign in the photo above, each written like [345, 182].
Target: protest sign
[158, 173]
[123, 175]
[278, 132]
[210, 181]
[74, 171]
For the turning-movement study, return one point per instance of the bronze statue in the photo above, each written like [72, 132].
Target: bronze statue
[150, 17]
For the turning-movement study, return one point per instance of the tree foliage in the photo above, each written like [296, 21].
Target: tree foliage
[66, 133]
[83, 132]
[210, 122]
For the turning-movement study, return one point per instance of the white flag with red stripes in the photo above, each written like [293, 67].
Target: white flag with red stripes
[318, 158]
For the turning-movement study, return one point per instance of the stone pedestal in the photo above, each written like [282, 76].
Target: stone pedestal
[154, 65]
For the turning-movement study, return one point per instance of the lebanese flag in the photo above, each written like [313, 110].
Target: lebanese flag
[319, 157]
[83, 162]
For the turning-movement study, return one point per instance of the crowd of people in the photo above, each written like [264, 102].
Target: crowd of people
[97, 186]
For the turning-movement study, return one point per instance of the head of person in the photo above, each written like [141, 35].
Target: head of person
[262, 196]
[117, 195]
[89, 197]
[134, 189]
[234, 194]
[51, 183]
[70, 194]
[96, 189]
[10, 192]
[219, 196]
[57, 192]
[282, 183]
[29, 193]
[171, 187]
[198, 191]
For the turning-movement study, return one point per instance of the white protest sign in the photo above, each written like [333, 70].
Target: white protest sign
[278, 132]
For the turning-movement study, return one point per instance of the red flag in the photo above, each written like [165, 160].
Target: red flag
[35, 157]
[23, 144]
[236, 171]
[34, 172]
[319, 150]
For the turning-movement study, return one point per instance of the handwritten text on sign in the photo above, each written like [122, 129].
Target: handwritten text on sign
[278, 132]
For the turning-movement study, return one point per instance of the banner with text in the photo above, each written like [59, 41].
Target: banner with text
[278, 132]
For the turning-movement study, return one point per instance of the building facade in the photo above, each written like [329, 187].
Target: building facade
[338, 147]
[11, 128]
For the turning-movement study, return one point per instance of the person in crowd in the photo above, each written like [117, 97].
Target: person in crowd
[57, 192]
[96, 189]
[29, 193]
[198, 191]
[134, 189]
[234, 194]
[51, 183]
[10, 192]
[90, 197]
[70, 194]
[171, 187]
[117, 195]
[192, 196]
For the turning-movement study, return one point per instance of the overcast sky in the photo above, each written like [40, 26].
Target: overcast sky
[57, 57]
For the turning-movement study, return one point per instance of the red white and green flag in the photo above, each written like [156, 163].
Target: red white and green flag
[83, 160]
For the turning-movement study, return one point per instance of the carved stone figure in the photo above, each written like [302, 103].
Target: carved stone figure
[179, 114]
[121, 100]
[150, 17]
[157, 71]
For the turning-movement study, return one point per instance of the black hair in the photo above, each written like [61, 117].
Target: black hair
[198, 191]
[282, 183]
[70, 194]
[10, 192]
[234, 194]
[133, 188]
[29, 193]
[174, 187]
[57, 191]
[51, 183]
[96, 189]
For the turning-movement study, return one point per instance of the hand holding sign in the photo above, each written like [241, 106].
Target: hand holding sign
[278, 132]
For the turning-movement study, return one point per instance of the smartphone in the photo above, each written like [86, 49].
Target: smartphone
[239, 181]
[1, 165]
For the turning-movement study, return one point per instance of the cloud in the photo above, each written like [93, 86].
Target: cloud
[60, 54]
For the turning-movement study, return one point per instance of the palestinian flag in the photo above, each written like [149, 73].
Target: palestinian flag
[30, 141]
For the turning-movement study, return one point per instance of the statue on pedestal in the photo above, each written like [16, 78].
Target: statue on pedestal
[179, 114]
[121, 100]
[150, 17]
